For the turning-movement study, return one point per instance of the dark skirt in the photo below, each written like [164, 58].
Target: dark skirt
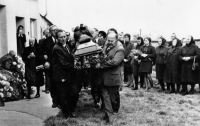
[160, 70]
[145, 67]
[39, 78]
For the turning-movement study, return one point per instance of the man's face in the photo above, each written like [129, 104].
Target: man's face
[173, 36]
[112, 40]
[67, 35]
[46, 33]
[53, 31]
[62, 37]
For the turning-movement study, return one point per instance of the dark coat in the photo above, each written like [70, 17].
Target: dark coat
[21, 40]
[160, 65]
[187, 74]
[63, 64]
[128, 66]
[46, 48]
[135, 63]
[147, 62]
[173, 65]
[31, 64]
[112, 66]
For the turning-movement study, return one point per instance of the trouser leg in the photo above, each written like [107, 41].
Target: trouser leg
[63, 93]
[141, 81]
[107, 101]
[115, 98]
[136, 82]
[47, 81]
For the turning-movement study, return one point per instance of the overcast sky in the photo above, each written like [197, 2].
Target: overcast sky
[154, 17]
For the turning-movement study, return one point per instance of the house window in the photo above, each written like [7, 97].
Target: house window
[33, 28]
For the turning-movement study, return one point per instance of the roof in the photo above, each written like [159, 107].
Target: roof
[47, 20]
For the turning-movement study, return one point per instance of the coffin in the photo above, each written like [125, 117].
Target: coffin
[87, 55]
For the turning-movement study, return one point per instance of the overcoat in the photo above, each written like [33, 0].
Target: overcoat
[135, 63]
[173, 65]
[187, 74]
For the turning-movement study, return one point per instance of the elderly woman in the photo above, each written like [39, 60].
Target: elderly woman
[172, 71]
[33, 73]
[187, 55]
[160, 64]
[147, 59]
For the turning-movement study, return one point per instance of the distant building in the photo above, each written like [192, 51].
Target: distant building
[20, 12]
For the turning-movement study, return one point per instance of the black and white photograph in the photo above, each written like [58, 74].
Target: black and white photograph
[99, 63]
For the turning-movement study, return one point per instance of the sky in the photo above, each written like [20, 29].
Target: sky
[153, 17]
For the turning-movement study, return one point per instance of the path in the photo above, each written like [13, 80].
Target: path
[27, 112]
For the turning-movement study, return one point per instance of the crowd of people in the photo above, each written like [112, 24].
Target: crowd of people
[175, 62]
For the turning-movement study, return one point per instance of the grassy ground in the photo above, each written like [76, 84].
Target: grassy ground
[138, 108]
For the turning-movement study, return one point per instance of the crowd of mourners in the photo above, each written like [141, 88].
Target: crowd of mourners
[51, 62]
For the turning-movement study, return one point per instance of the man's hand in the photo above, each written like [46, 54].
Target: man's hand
[45, 57]
[46, 65]
[98, 65]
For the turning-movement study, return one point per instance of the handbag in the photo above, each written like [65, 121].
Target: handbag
[195, 65]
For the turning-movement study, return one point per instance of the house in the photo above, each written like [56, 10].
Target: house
[20, 12]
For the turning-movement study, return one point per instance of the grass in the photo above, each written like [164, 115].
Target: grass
[138, 108]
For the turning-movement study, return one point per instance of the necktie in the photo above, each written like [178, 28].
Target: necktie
[67, 49]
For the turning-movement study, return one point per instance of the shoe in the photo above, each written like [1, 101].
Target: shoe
[54, 105]
[191, 92]
[29, 97]
[37, 96]
[97, 105]
[73, 115]
[67, 117]
[171, 92]
[59, 106]
[185, 93]
[47, 92]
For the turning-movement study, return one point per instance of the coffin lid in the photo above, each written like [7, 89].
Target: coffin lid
[87, 48]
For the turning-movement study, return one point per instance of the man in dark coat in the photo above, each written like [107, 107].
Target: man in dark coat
[21, 40]
[63, 73]
[47, 79]
[46, 57]
[111, 76]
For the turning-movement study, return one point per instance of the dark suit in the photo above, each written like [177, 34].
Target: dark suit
[111, 78]
[21, 40]
[47, 79]
[62, 76]
[46, 49]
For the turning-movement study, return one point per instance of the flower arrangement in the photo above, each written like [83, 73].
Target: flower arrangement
[135, 52]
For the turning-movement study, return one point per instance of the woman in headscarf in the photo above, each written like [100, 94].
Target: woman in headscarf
[173, 66]
[136, 65]
[160, 64]
[147, 60]
[187, 55]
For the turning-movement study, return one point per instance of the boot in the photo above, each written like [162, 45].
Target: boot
[136, 83]
[192, 89]
[162, 85]
[177, 88]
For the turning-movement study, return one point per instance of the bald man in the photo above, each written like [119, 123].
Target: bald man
[111, 76]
